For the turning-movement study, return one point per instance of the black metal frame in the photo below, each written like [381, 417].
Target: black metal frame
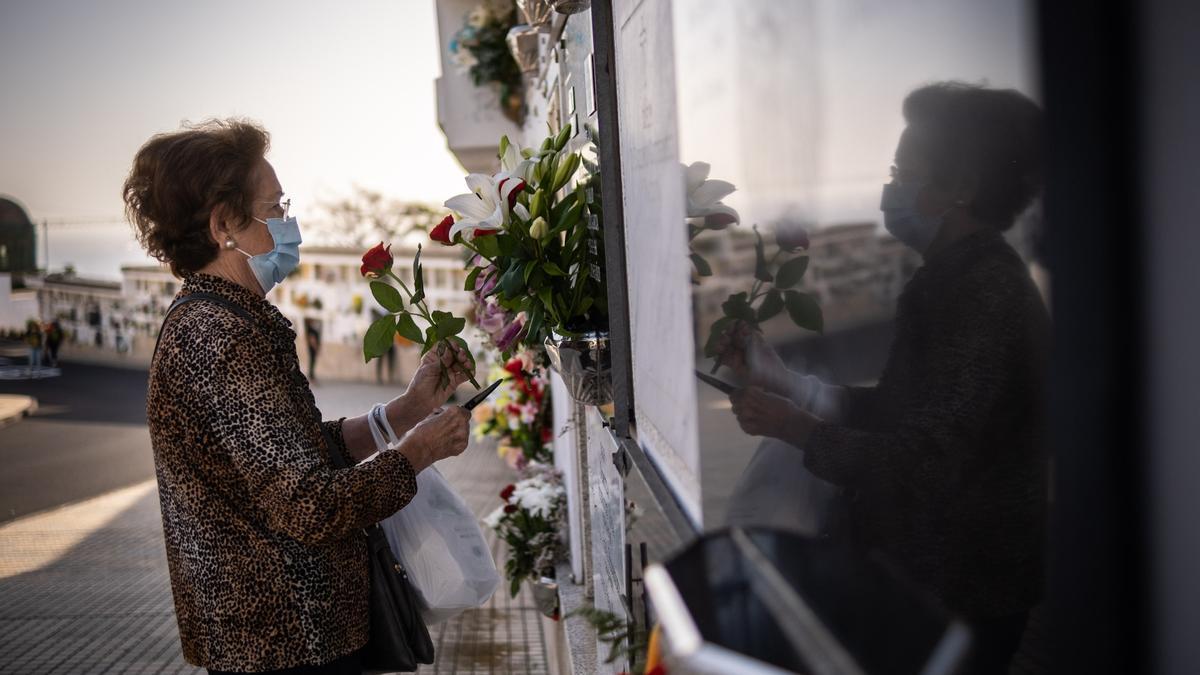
[1099, 515]
[630, 455]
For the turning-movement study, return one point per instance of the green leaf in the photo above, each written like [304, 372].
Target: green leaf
[418, 278]
[488, 246]
[791, 272]
[379, 337]
[760, 259]
[544, 294]
[407, 328]
[387, 296]
[533, 327]
[472, 277]
[512, 283]
[561, 207]
[714, 334]
[429, 340]
[771, 305]
[529, 268]
[738, 307]
[805, 311]
[553, 270]
[452, 325]
[702, 266]
[504, 143]
[569, 218]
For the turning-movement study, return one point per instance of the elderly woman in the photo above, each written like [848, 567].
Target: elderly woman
[943, 458]
[264, 537]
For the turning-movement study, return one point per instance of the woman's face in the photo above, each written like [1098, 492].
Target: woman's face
[912, 167]
[256, 238]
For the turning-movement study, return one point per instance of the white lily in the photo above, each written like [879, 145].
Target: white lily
[704, 196]
[513, 163]
[480, 209]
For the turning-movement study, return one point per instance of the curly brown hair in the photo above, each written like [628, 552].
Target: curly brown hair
[992, 135]
[177, 180]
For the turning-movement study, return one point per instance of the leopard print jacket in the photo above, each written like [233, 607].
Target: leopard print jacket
[264, 538]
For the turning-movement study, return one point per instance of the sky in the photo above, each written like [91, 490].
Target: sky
[799, 103]
[346, 90]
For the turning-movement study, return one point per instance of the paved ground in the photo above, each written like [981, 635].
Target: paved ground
[84, 587]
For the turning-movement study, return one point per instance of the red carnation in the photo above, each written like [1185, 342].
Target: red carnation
[514, 367]
[507, 492]
[441, 233]
[377, 261]
[510, 508]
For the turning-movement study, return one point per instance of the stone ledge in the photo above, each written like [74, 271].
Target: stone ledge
[580, 636]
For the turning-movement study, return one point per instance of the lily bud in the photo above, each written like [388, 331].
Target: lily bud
[539, 228]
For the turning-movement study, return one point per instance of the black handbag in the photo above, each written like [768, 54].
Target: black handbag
[399, 639]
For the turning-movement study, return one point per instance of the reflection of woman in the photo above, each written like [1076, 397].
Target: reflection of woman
[264, 537]
[943, 456]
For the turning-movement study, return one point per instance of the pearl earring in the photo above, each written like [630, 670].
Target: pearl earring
[230, 243]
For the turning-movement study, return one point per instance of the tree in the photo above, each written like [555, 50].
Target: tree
[367, 216]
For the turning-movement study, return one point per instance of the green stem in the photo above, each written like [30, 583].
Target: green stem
[478, 252]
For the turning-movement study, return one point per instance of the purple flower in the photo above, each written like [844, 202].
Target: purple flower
[511, 332]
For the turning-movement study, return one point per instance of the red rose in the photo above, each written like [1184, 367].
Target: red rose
[441, 233]
[510, 190]
[547, 435]
[510, 508]
[791, 237]
[377, 261]
[514, 367]
[507, 492]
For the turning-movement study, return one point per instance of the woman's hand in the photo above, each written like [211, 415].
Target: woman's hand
[443, 434]
[761, 413]
[744, 350]
[424, 390]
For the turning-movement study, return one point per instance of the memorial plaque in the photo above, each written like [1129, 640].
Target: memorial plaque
[657, 265]
[607, 499]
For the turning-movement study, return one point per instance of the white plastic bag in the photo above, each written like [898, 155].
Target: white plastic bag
[438, 540]
[776, 490]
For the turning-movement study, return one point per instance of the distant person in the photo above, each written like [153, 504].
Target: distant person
[264, 537]
[54, 339]
[944, 457]
[312, 339]
[34, 341]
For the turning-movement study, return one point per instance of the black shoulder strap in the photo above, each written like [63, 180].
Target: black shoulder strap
[190, 297]
[336, 457]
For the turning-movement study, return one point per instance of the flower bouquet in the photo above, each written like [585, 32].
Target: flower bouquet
[537, 252]
[480, 48]
[529, 521]
[441, 328]
[518, 414]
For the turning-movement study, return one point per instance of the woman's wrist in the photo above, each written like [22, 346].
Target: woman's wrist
[404, 412]
[800, 426]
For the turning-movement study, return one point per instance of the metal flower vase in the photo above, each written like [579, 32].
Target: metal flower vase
[545, 596]
[523, 43]
[584, 361]
[571, 6]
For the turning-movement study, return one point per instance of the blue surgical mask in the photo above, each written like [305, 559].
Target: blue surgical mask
[902, 219]
[272, 267]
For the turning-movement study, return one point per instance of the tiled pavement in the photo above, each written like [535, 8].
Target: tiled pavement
[85, 589]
